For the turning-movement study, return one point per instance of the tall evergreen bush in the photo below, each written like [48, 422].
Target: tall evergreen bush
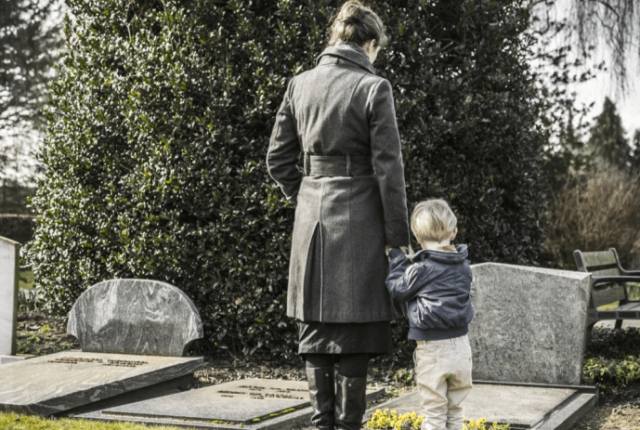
[159, 125]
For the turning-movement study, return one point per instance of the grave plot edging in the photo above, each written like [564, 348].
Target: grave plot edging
[569, 412]
[561, 417]
[283, 422]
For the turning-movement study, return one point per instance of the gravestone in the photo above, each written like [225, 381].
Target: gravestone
[135, 316]
[9, 276]
[249, 404]
[529, 325]
[133, 334]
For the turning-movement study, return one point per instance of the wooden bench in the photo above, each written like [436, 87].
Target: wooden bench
[608, 285]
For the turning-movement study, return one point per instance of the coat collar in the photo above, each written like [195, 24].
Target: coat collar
[350, 52]
[458, 256]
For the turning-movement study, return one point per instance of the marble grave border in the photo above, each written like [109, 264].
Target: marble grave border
[561, 417]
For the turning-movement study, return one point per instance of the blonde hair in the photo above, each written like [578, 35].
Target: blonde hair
[433, 220]
[357, 23]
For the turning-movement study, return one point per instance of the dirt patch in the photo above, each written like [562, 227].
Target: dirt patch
[617, 410]
[40, 334]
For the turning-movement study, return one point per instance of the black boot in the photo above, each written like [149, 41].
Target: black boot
[322, 395]
[351, 402]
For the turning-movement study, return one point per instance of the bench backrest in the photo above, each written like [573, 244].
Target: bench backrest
[601, 263]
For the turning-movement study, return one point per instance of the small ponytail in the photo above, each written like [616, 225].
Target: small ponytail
[358, 24]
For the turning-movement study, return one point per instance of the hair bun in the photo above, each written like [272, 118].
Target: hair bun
[356, 23]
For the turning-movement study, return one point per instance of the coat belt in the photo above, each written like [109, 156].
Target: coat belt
[337, 165]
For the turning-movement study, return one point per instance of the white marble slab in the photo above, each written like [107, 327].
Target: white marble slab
[9, 275]
[59, 382]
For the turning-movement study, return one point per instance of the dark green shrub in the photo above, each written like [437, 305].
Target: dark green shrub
[608, 373]
[159, 125]
[612, 358]
[614, 344]
[467, 112]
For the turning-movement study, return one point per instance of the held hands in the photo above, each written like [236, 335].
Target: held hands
[404, 249]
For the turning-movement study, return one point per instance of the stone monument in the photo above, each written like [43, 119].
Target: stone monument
[9, 275]
[133, 334]
[530, 324]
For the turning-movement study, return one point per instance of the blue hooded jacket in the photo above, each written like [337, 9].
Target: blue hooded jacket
[434, 288]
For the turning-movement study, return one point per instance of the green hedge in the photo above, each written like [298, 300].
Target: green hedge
[159, 124]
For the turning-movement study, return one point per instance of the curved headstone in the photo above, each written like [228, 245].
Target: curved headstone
[135, 316]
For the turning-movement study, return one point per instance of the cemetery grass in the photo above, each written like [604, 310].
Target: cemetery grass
[618, 408]
[11, 421]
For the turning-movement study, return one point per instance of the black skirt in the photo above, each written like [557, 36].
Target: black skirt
[348, 338]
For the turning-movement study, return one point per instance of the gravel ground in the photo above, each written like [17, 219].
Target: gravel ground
[39, 334]
[620, 414]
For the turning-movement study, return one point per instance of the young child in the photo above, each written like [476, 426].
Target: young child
[433, 288]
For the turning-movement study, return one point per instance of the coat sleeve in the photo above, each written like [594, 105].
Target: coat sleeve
[387, 162]
[284, 148]
[401, 280]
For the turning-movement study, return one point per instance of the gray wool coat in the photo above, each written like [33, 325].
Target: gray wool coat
[338, 266]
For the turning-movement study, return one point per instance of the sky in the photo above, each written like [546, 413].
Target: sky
[604, 84]
[628, 103]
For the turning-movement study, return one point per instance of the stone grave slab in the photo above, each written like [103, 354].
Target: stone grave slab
[247, 403]
[529, 325]
[522, 406]
[6, 359]
[9, 275]
[54, 383]
[239, 401]
[135, 316]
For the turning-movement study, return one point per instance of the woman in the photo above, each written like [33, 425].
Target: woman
[351, 202]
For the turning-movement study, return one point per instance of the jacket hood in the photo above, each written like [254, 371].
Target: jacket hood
[350, 52]
[456, 257]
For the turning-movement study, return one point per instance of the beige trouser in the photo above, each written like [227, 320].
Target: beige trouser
[443, 375]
